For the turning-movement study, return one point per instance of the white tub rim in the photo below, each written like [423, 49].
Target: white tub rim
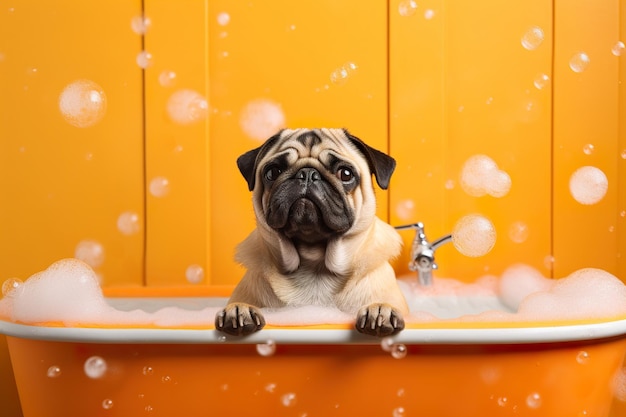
[313, 335]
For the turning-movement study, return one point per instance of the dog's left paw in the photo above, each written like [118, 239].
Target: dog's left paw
[379, 320]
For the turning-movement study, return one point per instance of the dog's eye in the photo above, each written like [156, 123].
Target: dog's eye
[272, 173]
[345, 174]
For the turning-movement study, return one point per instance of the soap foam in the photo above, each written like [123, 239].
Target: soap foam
[69, 292]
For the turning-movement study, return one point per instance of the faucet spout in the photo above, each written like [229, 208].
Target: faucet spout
[423, 253]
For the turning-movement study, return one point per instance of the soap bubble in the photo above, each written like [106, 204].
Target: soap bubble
[429, 14]
[480, 175]
[223, 18]
[90, 252]
[140, 24]
[588, 185]
[159, 186]
[128, 223]
[186, 107]
[167, 78]
[261, 119]
[398, 412]
[386, 344]
[405, 209]
[503, 401]
[194, 274]
[541, 81]
[271, 387]
[588, 149]
[398, 351]
[533, 400]
[266, 349]
[147, 370]
[407, 7]
[579, 62]
[619, 385]
[532, 38]
[12, 287]
[54, 372]
[82, 103]
[166, 379]
[474, 235]
[582, 357]
[107, 404]
[95, 367]
[340, 75]
[518, 232]
[618, 48]
[623, 154]
[288, 399]
[144, 59]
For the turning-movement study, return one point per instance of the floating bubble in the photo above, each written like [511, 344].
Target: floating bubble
[532, 38]
[623, 154]
[449, 185]
[12, 287]
[407, 7]
[588, 185]
[128, 223]
[223, 18]
[429, 14]
[107, 404]
[95, 367]
[167, 78]
[618, 48]
[474, 235]
[140, 24]
[398, 412]
[271, 387]
[147, 370]
[480, 175]
[194, 274]
[288, 399]
[582, 357]
[579, 62]
[159, 186]
[221, 338]
[518, 232]
[503, 401]
[401, 392]
[166, 379]
[261, 118]
[588, 149]
[144, 59]
[533, 400]
[90, 252]
[541, 81]
[619, 385]
[386, 344]
[186, 107]
[398, 351]
[266, 349]
[342, 74]
[54, 372]
[405, 209]
[82, 103]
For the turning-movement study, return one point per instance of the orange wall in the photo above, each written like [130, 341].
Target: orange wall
[432, 85]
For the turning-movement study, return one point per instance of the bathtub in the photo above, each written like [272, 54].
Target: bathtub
[442, 368]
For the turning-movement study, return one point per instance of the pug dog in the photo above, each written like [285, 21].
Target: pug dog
[318, 240]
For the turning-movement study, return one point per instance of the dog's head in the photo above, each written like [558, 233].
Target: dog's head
[312, 187]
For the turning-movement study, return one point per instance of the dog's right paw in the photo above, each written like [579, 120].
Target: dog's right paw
[239, 319]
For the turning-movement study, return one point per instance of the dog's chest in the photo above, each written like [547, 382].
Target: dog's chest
[304, 287]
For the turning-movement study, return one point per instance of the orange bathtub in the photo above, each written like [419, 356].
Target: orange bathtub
[448, 368]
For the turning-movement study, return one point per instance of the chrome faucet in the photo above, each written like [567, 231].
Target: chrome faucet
[423, 253]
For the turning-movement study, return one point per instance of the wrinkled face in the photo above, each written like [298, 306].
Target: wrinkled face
[309, 184]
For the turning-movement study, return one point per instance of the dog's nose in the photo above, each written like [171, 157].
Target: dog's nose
[308, 175]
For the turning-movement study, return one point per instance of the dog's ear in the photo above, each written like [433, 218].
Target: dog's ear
[380, 164]
[247, 163]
